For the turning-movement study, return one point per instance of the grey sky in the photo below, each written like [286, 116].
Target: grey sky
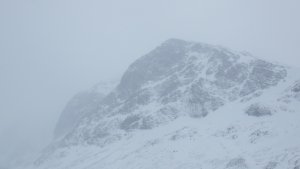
[51, 49]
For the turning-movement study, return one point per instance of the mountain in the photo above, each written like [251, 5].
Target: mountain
[186, 105]
[80, 105]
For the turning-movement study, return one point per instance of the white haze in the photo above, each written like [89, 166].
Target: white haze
[51, 49]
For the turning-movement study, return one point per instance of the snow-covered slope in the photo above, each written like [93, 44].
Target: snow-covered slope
[189, 105]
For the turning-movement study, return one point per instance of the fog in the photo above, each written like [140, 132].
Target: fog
[51, 49]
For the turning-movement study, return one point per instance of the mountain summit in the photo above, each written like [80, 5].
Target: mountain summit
[188, 105]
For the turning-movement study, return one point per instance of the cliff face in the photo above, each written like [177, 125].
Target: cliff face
[186, 105]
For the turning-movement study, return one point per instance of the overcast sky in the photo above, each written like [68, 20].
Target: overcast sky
[51, 49]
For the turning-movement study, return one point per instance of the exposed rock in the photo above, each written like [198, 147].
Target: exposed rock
[237, 163]
[292, 93]
[271, 165]
[296, 87]
[258, 110]
[258, 134]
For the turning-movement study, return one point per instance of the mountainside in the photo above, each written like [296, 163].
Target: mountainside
[79, 106]
[185, 105]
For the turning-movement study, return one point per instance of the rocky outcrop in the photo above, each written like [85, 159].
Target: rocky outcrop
[258, 110]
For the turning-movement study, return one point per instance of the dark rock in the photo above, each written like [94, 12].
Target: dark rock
[296, 88]
[258, 110]
[237, 163]
[271, 165]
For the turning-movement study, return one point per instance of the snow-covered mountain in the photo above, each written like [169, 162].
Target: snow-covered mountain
[185, 105]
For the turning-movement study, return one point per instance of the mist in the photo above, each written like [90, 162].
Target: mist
[52, 49]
